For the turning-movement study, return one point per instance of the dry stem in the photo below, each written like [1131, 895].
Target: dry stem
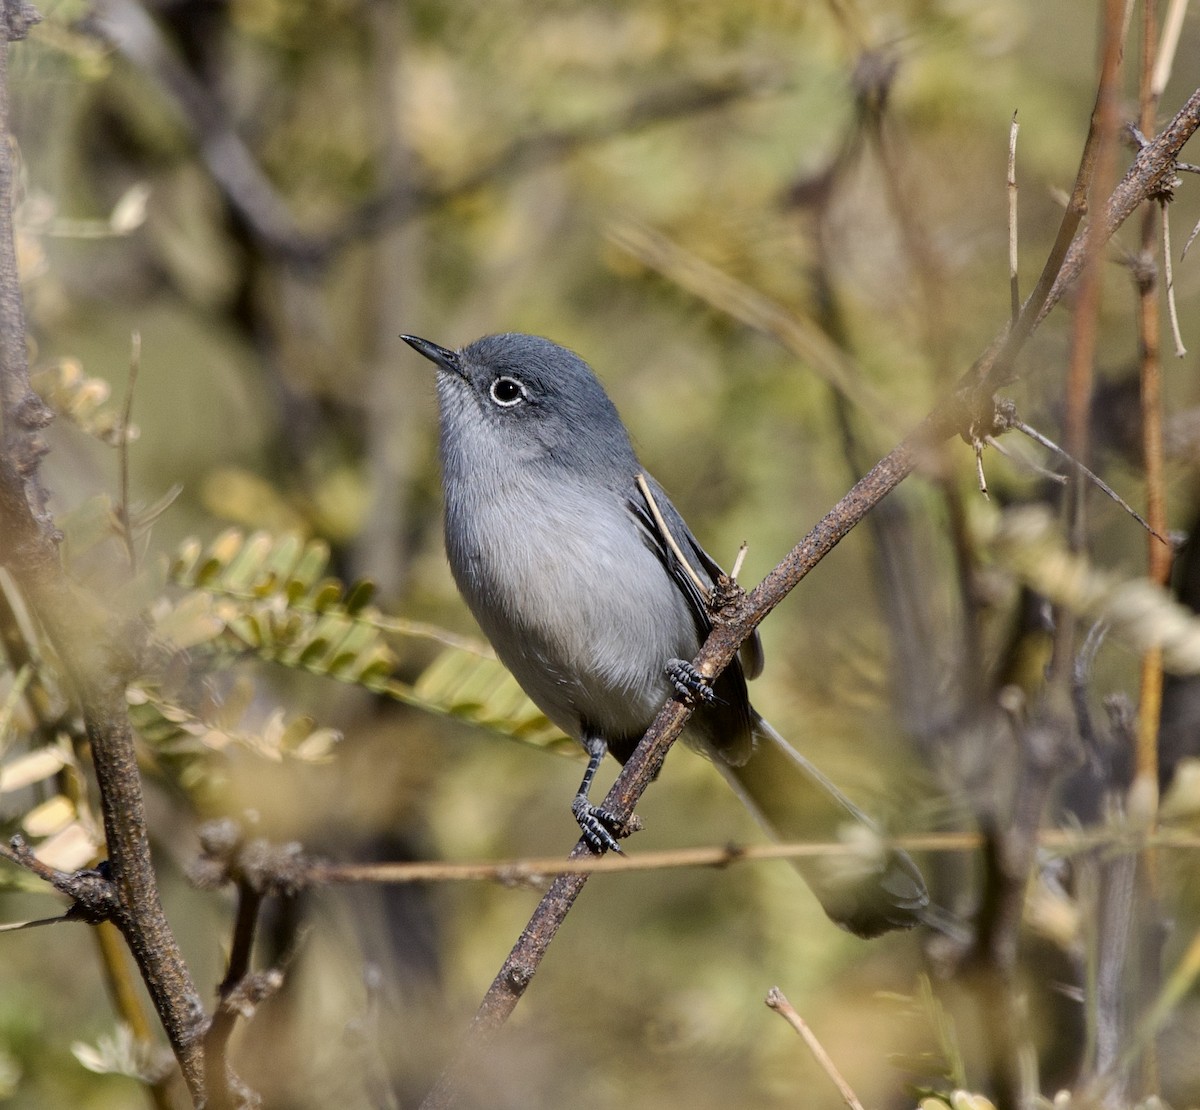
[779, 1003]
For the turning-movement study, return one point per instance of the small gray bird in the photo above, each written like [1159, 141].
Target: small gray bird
[556, 549]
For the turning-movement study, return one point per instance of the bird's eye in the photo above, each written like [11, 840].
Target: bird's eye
[507, 392]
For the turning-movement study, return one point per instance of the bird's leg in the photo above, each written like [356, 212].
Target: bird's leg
[689, 683]
[597, 824]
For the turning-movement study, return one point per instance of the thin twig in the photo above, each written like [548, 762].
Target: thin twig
[979, 474]
[1169, 278]
[738, 560]
[1142, 912]
[123, 515]
[25, 414]
[216, 1041]
[779, 1003]
[1021, 460]
[1063, 843]
[1158, 556]
[1168, 44]
[1154, 164]
[36, 923]
[1014, 281]
[1091, 476]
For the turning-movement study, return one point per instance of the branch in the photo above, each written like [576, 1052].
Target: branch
[968, 411]
[778, 1002]
[1063, 843]
[259, 870]
[24, 413]
[1151, 170]
[98, 651]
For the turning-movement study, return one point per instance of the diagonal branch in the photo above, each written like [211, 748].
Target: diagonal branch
[968, 410]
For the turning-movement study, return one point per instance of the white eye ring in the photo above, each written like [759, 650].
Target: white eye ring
[507, 392]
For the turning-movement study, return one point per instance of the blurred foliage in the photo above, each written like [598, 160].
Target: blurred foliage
[268, 193]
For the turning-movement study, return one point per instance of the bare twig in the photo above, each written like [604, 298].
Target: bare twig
[535, 872]
[216, 1040]
[1167, 46]
[1093, 477]
[257, 869]
[777, 1001]
[23, 412]
[1169, 277]
[1153, 165]
[1159, 555]
[979, 474]
[1142, 911]
[740, 558]
[1021, 460]
[36, 923]
[92, 893]
[124, 518]
[1014, 282]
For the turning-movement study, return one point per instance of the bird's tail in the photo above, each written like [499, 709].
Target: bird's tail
[867, 894]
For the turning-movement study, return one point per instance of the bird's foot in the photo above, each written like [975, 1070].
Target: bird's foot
[600, 828]
[689, 683]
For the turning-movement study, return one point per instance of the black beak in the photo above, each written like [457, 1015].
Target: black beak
[440, 356]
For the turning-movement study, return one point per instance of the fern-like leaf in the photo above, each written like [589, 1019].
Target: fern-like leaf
[272, 596]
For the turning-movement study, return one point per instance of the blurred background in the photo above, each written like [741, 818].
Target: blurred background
[778, 232]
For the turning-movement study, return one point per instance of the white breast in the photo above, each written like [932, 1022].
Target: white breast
[575, 604]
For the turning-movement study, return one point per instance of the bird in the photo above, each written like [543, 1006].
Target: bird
[593, 591]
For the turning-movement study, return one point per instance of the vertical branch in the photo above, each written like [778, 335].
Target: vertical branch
[23, 412]
[216, 1041]
[1087, 308]
[1144, 795]
[1047, 740]
[98, 650]
[1014, 283]
[118, 977]
[1150, 370]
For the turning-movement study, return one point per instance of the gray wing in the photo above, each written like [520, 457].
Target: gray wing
[730, 686]
[751, 652]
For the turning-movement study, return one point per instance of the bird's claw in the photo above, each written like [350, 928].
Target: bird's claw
[600, 828]
[689, 683]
